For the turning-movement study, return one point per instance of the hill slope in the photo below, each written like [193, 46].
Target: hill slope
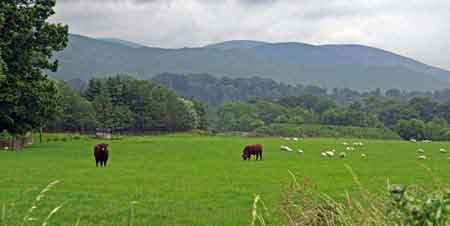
[122, 42]
[353, 66]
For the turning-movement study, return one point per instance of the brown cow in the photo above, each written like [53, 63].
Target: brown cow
[101, 154]
[254, 149]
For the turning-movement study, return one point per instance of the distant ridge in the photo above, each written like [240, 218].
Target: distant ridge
[341, 66]
[122, 42]
[236, 44]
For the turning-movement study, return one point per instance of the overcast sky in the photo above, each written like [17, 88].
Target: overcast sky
[416, 28]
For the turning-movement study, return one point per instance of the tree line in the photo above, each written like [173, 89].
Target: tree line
[124, 104]
[216, 91]
[417, 118]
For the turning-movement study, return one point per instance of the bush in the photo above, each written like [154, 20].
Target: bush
[411, 129]
[5, 136]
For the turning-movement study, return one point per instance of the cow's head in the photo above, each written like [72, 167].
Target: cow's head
[245, 154]
[104, 147]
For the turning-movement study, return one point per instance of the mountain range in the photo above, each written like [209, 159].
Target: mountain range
[330, 66]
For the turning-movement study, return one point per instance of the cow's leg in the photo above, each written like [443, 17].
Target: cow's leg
[260, 156]
[96, 163]
[104, 163]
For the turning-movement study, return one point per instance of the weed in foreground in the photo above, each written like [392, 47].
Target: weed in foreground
[305, 205]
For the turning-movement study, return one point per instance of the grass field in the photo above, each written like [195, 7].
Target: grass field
[194, 180]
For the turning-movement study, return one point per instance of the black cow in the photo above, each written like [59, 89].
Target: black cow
[101, 154]
[254, 149]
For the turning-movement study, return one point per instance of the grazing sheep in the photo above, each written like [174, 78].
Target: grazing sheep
[6, 148]
[422, 157]
[342, 155]
[295, 139]
[285, 148]
[448, 159]
[323, 154]
[413, 140]
[350, 148]
[345, 144]
[421, 150]
[300, 151]
[363, 156]
[443, 150]
[330, 153]
[287, 139]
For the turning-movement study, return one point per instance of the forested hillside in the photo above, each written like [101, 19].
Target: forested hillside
[216, 91]
[341, 66]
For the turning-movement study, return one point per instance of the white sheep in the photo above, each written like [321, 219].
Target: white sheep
[448, 159]
[330, 153]
[422, 157]
[363, 156]
[413, 140]
[300, 151]
[342, 155]
[295, 139]
[421, 150]
[287, 139]
[443, 150]
[426, 141]
[345, 144]
[6, 148]
[323, 154]
[285, 148]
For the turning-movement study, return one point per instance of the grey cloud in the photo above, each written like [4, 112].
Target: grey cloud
[415, 28]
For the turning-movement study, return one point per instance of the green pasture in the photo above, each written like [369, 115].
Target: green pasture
[195, 180]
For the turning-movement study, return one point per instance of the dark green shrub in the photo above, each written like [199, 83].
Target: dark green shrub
[4, 135]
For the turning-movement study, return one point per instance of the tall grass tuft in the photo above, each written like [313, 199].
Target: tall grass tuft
[49, 216]
[28, 217]
[131, 213]
[259, 212]
[3, 218]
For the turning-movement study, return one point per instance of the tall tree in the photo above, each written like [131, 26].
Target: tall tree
[28, 42]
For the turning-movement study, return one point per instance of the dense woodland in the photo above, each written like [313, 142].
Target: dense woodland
[418, 118]
[252, 104]
[216, 91]
[124, 104]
